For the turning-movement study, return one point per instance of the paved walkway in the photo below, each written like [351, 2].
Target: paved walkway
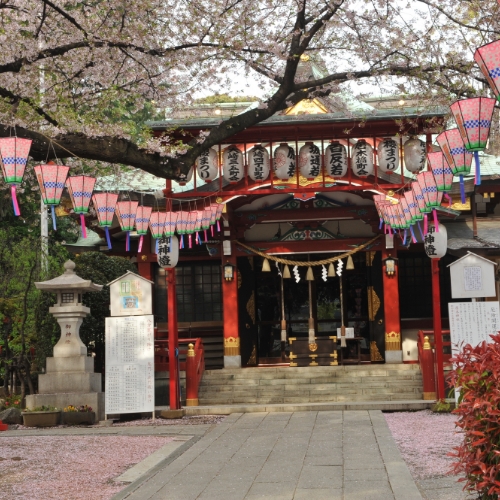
[348, 455]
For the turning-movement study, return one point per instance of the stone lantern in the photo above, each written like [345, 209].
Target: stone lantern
[69, 377]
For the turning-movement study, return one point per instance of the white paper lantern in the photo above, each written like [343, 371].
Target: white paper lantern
[336, 159]
[258, 164]
[362, 159]
[188, 178]
[388, 155]
[168, 252]
[284, 162]
[309, 161]
[415, 155]
[436, 243]
[232, 165]
[207, 165]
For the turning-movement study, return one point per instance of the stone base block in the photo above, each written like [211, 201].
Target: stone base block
[393, 357]
[172, 413]
[232, 361]
[62, 400]
[63, 382]
[71, 364]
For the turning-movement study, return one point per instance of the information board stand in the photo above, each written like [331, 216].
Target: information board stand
[129, 365]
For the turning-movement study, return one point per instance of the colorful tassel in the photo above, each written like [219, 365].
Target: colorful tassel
[53, 215]
[426, 224]
[413, 235]
[82, 223]
[15, 204]
[436, 222]
[127, 242]
[140, 244]
[478, 169]
[108, 239]
[462, 189]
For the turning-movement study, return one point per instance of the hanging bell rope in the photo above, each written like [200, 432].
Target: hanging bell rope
[308, 263]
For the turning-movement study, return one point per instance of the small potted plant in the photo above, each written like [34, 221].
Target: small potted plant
[41, 416]
[78, 415]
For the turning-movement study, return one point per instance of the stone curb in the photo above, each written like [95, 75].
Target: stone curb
[176, 453]
[401, 481]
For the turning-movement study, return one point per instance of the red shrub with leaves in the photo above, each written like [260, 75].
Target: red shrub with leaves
[477, 375]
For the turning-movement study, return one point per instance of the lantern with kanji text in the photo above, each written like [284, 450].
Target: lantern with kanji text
[258, 163]
[284, 162]
[309, 161]
[233, 169]
[207, 165]
[362, 159]
[336, 159]
[388, 156]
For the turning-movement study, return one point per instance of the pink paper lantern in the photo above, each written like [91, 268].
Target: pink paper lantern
[413, 206]
[487, 58]
[170, 223]
[51, 179]
[456, 154]
[126, 212]
[432, 196]
[182, 225]
[104, 204]
[13, 158]
[80, 189]
[442, 172]
[473, 117]
[157, 226]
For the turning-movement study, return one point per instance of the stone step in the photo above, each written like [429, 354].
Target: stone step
[322, 384]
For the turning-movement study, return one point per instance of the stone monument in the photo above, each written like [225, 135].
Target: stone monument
[69, 377]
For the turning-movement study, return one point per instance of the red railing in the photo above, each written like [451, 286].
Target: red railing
[427, 360]
[430, 334]
[195, 365]
[191, 361]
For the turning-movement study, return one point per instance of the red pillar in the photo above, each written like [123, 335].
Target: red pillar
[173, 340]
[391, 305]
[230, 313]
[438, 333]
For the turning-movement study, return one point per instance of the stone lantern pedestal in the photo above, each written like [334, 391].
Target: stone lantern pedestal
[69, 377]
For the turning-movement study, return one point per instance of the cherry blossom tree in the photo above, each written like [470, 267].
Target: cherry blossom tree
[74, 74]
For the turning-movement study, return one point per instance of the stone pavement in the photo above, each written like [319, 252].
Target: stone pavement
[328, 455]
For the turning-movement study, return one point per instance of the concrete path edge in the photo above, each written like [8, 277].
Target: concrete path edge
[121, 495]
[401, 481]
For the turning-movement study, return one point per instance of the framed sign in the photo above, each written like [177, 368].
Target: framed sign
[130, 372]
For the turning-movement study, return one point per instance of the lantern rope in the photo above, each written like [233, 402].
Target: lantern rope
[308, 263]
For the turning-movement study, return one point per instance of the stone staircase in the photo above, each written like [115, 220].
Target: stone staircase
[321, 384]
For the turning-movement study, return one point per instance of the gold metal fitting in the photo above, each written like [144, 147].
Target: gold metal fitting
[427, 344]
[190, 353]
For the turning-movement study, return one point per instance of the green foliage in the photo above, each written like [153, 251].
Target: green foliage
[101, 269]
[13, 401]
[442, 406]
[476, 374]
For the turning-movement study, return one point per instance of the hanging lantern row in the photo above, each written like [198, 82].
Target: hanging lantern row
[309, 161]
[423, 198]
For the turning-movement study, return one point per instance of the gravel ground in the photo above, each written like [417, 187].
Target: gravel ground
[77, 467]
[425, 439]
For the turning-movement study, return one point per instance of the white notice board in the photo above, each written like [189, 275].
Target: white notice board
[130, 375]
[472, 322]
